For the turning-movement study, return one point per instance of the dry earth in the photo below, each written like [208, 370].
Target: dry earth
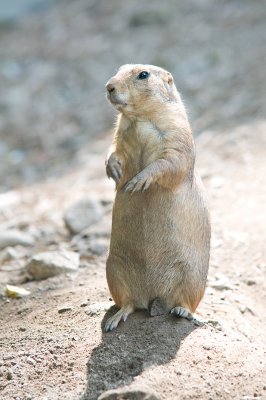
[53, 141]
[52, 355]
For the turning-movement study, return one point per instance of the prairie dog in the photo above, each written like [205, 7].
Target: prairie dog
[160, 240]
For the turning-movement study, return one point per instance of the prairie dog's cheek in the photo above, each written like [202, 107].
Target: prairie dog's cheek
[135, 94]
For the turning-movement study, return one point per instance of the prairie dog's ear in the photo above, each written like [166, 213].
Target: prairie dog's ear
[170, 79]
[170, 87]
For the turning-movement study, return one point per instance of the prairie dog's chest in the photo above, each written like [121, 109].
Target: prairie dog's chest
[142, 143]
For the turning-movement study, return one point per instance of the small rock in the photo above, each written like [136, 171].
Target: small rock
[244, 309]
[250, 282]
[52, 263]
[84, 304]
[198, 322]
[157, 307]
[9, 253]
[13, 237]
[64, 309]
[82, 214]
[98, 246]
[9, 375]
[217, 182]
[9, 199]
[212, 322]
[215, 243]
[129, 394]
[30, 361]
[15, 291]
[221, 284]
[97, 308]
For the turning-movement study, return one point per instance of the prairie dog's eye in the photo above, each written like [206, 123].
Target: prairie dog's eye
[143, 75]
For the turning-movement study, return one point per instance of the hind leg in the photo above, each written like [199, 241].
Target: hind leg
[186, 295]
[118, 278]
[122, 314]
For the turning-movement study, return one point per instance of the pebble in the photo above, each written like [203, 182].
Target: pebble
[15, 291]
[212, 322]
[84, 304]
[98, 246]
[13, 237]
[217, 182]
[31, 361]
[250, 282]
[52, 263]
[64, 309]
[10, 253]
[221, 284]
[82, 214]
[97, 308]
[9, 375]
[156, 307]
[129, 394]
[244, 309]
[90, 246]
[9, 199]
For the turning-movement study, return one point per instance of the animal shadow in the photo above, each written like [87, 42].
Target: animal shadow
[132, 347]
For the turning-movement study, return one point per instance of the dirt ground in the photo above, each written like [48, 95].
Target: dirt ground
[52, 355]
[52, 346]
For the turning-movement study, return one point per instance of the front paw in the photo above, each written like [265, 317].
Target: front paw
[114, 168]
[140, 182]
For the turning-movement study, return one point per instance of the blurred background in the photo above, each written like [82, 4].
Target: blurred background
[56, 55]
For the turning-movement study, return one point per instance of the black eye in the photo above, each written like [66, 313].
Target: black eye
[143, 75]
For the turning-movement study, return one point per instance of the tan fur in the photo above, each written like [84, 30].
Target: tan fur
[160, 226]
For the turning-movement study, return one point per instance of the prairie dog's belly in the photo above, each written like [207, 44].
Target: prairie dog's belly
[145, 225]
[161, 226]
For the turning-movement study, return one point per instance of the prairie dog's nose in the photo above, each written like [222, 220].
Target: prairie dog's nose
[110, 87]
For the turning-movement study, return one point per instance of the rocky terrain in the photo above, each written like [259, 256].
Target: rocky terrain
[55, 201]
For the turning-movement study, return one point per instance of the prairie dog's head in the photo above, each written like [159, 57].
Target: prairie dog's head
[141, 89]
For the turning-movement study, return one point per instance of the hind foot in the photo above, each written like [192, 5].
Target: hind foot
[182, 312]
[122, 314]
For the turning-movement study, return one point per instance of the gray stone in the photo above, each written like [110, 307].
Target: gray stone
[9, 375]
[98, 246]
[64, 309]
[157, 307]
[97, 308]
[52, 263]
[129, 394]
[14, 237]
[221, 284]
[83, 214]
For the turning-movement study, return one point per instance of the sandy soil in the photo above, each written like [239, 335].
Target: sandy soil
[52, 355]
[54, 134]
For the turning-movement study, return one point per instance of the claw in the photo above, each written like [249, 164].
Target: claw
[113, 321]
[114, 168]
[182, 312]
[147, 184]
[137, 184]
